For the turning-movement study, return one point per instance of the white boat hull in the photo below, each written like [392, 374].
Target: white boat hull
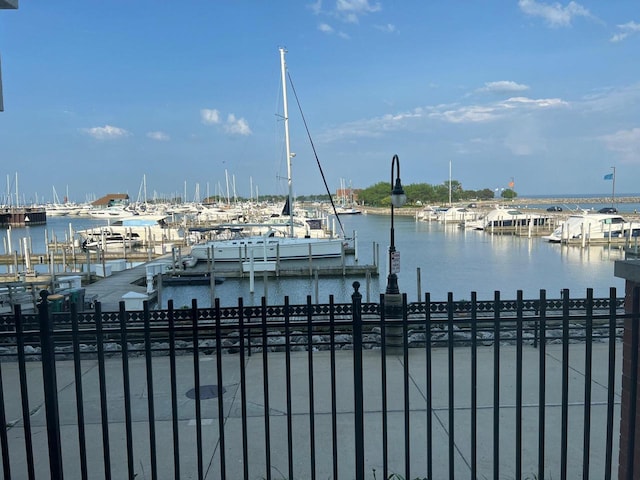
[593, 226]
[268, 248]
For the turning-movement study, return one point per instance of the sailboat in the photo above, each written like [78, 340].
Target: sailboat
[270, 246]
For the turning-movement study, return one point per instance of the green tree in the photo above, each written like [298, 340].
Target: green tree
[485, 194]
[508, 194]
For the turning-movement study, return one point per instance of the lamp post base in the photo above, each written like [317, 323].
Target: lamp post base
[394, 338]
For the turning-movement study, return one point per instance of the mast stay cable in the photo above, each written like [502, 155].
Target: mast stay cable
[315, 153]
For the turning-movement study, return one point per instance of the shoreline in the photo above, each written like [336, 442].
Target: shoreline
[519, 202]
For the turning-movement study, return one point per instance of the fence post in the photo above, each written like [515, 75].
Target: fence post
[50, 387]
[356, 302]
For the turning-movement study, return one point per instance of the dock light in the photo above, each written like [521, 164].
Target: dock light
[398, 197]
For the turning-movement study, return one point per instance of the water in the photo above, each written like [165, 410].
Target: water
[450, 259]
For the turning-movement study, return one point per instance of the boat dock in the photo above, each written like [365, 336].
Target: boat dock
[113, 282]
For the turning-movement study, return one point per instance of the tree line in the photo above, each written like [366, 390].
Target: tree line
[423, 193]
[378, 195]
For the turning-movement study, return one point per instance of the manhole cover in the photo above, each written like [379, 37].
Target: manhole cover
[206, 392]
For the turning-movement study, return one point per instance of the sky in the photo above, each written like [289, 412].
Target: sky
[184, 99]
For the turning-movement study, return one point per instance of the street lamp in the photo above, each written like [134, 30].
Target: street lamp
[398, 199]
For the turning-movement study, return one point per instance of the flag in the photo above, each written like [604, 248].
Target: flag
[608, 176]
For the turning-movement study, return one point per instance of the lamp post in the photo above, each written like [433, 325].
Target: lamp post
[392, 297]
[398, 198]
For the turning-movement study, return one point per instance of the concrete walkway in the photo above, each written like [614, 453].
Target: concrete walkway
[232, 404]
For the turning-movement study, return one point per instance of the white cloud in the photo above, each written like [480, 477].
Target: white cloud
[503, 86]
[624, 142]
[487, 113]
[233, 125]
[468, 114]
[237, 126]
[159, 136]
[329, 30]
[350, 10]
[541, 102]
[108, 132]
[210, 116]
[417, 119]
[555, 15]
[388, 28]
[372, 127]
[316, 7]
[325, 28]
[625, 30]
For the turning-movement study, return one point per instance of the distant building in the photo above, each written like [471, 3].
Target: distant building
[347, 195]
[112, 200]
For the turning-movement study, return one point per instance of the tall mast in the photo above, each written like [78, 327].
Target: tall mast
[449, 182]
[286, 136]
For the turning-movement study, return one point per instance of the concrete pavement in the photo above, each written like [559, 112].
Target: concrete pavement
[300, 418]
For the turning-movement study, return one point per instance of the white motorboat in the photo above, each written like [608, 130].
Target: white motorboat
[110, 213]
[593, 226]
[347, 211]
[146, 228]
[106, 238]
[504, 217]
[455, 214]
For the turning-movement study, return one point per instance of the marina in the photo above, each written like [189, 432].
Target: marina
[436, 257]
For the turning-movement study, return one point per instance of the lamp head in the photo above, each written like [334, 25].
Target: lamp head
[398, 197]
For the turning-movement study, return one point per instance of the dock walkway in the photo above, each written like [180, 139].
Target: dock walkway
[109, 291]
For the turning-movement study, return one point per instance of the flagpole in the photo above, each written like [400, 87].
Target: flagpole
[613, 188]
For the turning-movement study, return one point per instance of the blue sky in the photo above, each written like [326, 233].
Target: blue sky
[99, 95]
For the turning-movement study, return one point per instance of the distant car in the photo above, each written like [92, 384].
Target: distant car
[472, 205]
[608, 210]
[554, 208]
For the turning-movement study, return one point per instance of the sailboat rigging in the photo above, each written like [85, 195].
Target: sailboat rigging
[313, 147]
[268, 246]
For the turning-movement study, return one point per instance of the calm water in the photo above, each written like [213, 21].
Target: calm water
[450, 260]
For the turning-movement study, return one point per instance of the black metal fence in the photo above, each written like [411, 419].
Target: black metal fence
[465, 389]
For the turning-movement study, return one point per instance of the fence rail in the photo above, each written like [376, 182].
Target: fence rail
[480, 389]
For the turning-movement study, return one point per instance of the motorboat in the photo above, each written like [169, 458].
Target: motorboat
[593, 226]
[341, 210]
[110, 213]
[146, 228]
[106, 238]
[455, 214]
[504, 217]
